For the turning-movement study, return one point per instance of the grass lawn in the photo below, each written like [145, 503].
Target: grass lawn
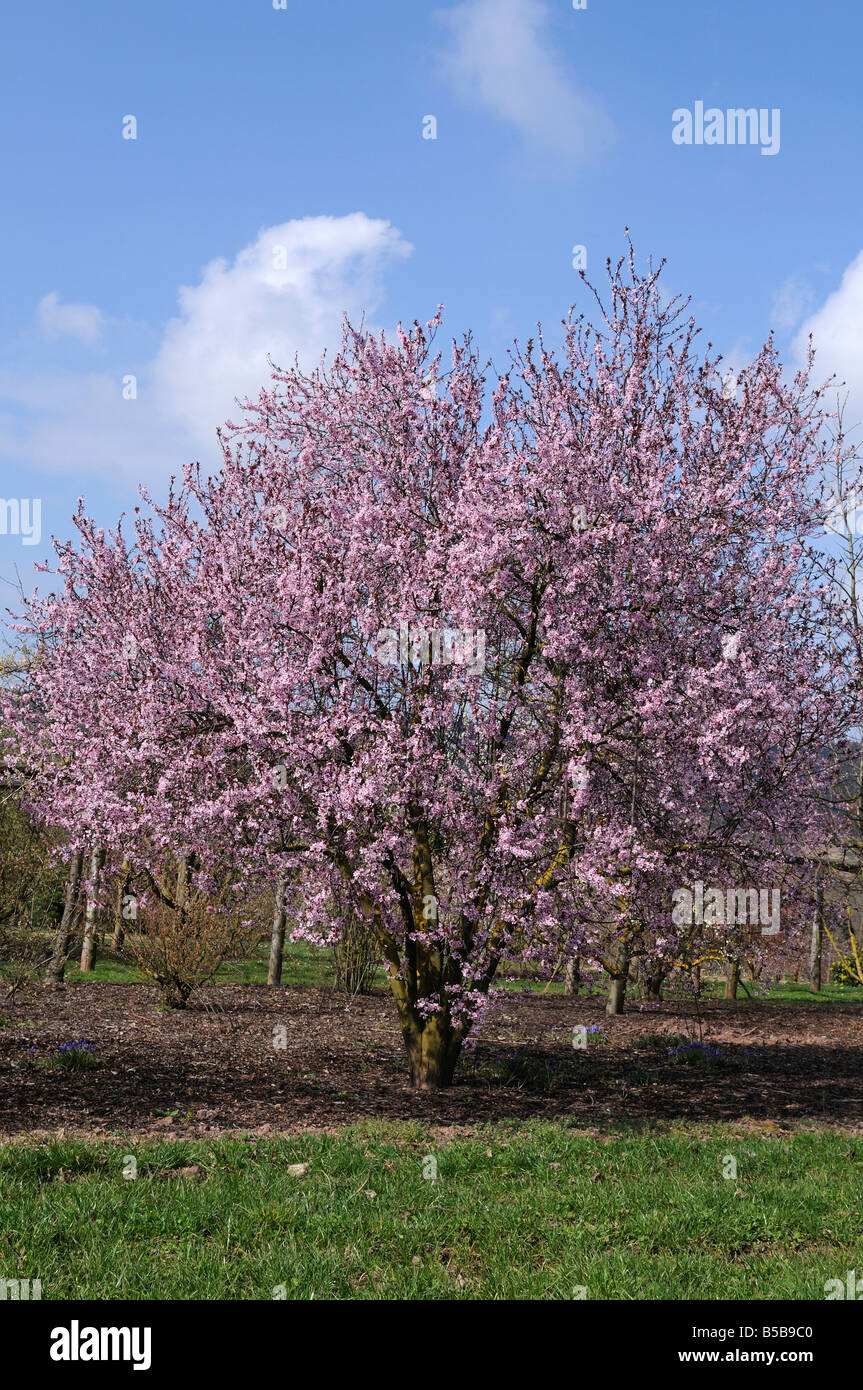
[516, 1210]
[305, 964]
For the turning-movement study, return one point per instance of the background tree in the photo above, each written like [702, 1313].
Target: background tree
[838, 860]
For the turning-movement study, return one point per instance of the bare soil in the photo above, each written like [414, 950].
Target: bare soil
[213, 1068]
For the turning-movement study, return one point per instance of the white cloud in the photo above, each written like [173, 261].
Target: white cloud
[500, 58]
[285, 294]
[835, 329]
[81, 321]
[790, 302]
[79, 424]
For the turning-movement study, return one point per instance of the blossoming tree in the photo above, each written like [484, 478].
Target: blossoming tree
[496, 668]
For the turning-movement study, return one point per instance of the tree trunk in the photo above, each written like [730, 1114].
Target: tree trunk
[433, 1044]
[653, 987]
[616, 995]
[277, 940]
[433, 1047]
[63, 936]
[732, 979]
[617, 986]
[817, 941]
[650, 983]
[88, 949]
[571, 979]
[119, 919]
[182, 894]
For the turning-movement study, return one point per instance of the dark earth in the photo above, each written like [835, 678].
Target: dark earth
[213, 1068]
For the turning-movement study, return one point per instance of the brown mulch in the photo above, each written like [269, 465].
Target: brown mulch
[213, 1068]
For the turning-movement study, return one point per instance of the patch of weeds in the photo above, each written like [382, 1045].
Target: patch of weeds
[662, 1041]
[702, 1054]
[697, 1054]
[518, 1067]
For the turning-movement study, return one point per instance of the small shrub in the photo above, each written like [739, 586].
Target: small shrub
[842, 974]
[23, 955]
[182, 948]
[356, 956]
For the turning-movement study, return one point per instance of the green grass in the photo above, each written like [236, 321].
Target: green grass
[107, 970]
[305, 964]
[517, 1211]
[790, 993]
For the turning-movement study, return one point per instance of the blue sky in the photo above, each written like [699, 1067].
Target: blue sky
[302, 128]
